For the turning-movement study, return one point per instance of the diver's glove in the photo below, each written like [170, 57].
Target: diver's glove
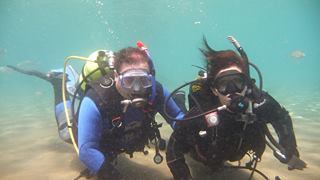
[296, 163]
[108, 172]
[291, 159]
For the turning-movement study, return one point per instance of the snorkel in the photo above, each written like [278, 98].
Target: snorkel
[243, 103]
[242, 53]
[152, 97]
[246, 62]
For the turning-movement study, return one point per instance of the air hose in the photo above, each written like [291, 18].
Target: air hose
[65, 99]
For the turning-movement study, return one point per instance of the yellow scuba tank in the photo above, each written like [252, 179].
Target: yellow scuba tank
[101, 62]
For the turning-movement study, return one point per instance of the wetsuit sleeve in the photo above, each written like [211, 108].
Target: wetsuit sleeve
[172, 109]
[272, 112]
[89, 135]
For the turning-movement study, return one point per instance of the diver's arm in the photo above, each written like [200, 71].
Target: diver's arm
[30, 72]
[172, 109]
[282, 124]
[90, 130]
[284, 129]
[272, 112]
[89, 135]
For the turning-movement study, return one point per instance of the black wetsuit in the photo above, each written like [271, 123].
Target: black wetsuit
[231, 139]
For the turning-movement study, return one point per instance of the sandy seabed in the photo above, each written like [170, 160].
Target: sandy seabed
[31, 149]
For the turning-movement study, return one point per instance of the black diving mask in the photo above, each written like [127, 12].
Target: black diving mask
[233, 86]
[229, 83]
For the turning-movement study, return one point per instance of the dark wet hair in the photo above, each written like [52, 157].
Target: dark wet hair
[218, 60]
[129, 55]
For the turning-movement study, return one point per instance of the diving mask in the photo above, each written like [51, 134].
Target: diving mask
[136, 79]
[229, 83]
[137, 84]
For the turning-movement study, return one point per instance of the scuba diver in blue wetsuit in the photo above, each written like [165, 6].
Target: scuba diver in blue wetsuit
[117, 113]
[228, 117]
[55, 78]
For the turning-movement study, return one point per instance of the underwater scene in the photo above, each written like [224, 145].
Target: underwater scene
[281, 37]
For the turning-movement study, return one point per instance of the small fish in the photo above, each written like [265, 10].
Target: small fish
[297, 54]
[197, 22]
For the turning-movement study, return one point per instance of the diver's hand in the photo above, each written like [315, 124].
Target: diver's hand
[296, 163]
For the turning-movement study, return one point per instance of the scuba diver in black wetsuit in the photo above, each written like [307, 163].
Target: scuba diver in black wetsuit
[55, 78]
[228, 117]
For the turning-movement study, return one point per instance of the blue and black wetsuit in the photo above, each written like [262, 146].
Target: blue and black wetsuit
[54, 77]
[99, 140]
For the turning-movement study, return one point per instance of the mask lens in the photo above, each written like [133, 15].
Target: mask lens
[128, 81]
[136, 77]
[146, 81]
[230, 84]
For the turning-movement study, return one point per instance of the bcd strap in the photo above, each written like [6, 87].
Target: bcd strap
[102, 65]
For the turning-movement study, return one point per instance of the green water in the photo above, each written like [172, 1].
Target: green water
[39, 34]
